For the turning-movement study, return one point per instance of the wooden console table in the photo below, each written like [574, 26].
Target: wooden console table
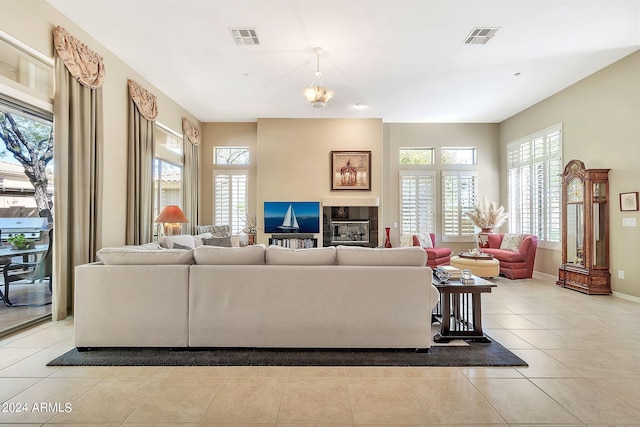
[461, 310]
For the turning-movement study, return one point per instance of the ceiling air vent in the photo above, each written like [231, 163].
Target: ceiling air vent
[480, 35]
[244, 36]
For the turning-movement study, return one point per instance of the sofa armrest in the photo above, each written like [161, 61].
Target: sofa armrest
[494, 240]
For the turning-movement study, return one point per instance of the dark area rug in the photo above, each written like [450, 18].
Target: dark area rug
[475, 354]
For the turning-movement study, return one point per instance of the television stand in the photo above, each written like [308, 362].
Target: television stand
[294, 240]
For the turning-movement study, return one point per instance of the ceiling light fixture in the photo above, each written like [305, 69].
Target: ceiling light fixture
[316, 94]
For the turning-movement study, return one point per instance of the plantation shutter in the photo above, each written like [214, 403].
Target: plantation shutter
[417, 195]
[230, 199]
[534, 165]
[459, 196]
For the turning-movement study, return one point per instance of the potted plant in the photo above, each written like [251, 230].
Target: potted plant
[487, 215]
[250, 230]
[18, 241]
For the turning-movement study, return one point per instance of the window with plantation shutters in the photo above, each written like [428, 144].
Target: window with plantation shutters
[417, 195]
[230, 200]
[459, 196]
[534, 165]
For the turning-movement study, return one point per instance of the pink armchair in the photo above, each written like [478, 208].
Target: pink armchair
[435, 256]
[514, 265]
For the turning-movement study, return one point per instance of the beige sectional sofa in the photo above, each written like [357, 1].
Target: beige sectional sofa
[253, 296]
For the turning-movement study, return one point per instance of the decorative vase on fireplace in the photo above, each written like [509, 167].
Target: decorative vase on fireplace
[387, 242]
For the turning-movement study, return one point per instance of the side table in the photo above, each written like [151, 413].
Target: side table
[461, 310]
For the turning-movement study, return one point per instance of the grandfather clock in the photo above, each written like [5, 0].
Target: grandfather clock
[585, 230]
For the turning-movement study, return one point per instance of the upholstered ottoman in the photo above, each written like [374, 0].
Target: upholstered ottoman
[479, 267]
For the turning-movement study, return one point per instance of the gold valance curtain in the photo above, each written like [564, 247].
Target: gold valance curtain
[190, 180]
[85, 65]
[146, 102]
[191, 131]
[77, 159]
[143, 109]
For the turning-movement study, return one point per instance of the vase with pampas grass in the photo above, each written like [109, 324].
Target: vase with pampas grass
[487, 215]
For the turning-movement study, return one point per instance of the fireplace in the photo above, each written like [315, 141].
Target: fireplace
[350, 225]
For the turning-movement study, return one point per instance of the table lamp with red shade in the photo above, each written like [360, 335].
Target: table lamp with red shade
[171, 218]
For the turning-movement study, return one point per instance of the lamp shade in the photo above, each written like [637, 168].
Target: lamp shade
[172, 214]
[318, 96]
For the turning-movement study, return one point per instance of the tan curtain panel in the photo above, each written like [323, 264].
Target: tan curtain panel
[144, 100]
[141, 151]
[78, 136]
[85, 65]
[191, 189]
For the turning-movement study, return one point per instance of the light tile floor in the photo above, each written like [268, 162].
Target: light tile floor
[583, 352]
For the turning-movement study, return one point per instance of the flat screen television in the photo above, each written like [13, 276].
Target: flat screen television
[291, 217]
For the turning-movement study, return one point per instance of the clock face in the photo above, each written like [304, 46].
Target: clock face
[575, 191]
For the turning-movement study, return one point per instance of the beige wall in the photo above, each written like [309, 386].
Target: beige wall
[294, 159]
[32, 21]
[600, 127]
[405, 135]
[599, 116]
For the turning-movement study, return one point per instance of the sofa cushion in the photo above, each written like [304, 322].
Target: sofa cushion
[278, 255]
[435, 253]
[215, 230]
[216, 255]
[505, 255]
[511, 242]
[218, 241]
[135, 255]
[349, 255]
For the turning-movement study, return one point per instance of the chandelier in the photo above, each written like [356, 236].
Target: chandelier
[316, 94]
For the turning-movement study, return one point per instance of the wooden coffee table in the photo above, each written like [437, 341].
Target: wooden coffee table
[461, 310]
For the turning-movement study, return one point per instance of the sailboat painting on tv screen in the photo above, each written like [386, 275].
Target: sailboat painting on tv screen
[291, 217]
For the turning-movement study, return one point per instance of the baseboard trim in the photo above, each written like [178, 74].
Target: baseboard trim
[626, 296]
[544, 276]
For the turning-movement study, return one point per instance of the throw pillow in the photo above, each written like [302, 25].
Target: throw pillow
[424, 240]
[406, 240]
[224, 242]
[215, 230]
[511, 242]
[179, 246]
[197, 239]
[181, 239]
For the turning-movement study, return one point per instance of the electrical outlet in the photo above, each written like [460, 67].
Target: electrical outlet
[628, 222]
[620, 274]
[395, 225]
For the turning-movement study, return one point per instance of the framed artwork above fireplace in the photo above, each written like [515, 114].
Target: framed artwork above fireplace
[351, 170]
